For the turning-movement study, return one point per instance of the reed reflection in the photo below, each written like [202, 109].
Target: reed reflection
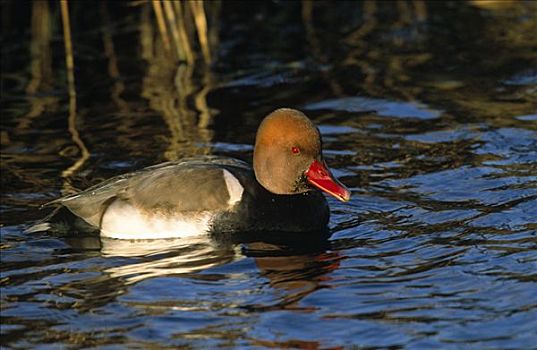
[170, 86]
[41, 84]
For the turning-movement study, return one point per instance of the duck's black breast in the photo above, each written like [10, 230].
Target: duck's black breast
[261, 210]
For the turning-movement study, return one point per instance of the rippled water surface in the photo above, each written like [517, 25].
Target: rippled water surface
[428, 112]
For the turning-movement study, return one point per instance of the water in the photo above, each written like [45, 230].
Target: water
[427, 111]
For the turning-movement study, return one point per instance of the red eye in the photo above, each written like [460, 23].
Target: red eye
[295, 150]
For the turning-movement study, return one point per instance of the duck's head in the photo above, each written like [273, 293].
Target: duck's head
[288, 156]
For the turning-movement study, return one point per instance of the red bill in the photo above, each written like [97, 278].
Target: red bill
[319, 176]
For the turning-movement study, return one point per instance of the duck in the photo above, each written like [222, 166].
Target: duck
[281, 192]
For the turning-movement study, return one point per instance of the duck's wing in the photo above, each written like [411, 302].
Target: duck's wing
[193, 184]
[90, 203]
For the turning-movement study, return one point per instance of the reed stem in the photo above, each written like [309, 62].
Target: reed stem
[201, 26]
[69, 61]
[161, 25]
[183, 36]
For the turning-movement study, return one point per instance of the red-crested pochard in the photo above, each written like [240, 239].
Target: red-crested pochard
[217, 194]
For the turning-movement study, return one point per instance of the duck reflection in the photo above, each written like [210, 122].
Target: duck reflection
[293, 270]
[293, 273]
[167, 257]
[158, 257]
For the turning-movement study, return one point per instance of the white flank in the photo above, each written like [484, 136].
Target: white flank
[234, 187]
[123, 221]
